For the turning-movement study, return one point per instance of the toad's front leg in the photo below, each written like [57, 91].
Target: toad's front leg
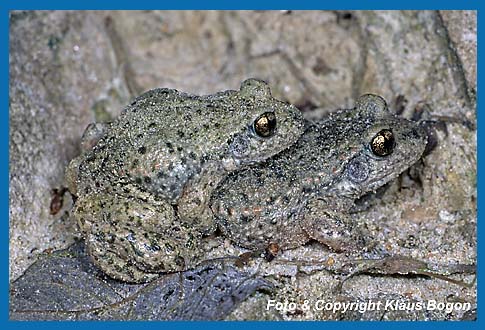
[326, 223]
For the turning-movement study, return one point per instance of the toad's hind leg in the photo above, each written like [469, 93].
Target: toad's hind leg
[92, 134]
[133, 240]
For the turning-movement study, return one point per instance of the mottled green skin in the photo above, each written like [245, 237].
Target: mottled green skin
[144, 181]
[306, 191]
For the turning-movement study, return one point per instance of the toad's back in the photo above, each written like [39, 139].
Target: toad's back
[165, 137]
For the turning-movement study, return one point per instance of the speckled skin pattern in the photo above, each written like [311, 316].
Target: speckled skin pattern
[144, 181]
[305, 192]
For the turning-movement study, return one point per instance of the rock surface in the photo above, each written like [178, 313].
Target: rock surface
[83, 66]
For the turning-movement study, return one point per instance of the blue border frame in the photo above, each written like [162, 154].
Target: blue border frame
[212, 4]
[248, 4]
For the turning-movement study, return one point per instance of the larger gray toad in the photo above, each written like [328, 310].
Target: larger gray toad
[144, 181]
[306, 191]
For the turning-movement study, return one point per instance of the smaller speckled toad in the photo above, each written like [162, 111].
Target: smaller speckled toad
[306, 191]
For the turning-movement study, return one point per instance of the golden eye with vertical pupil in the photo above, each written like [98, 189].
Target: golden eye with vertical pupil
[265, 124]
[383, 143]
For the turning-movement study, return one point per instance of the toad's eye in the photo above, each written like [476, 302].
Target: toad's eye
[383, 143]
[265, 124]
